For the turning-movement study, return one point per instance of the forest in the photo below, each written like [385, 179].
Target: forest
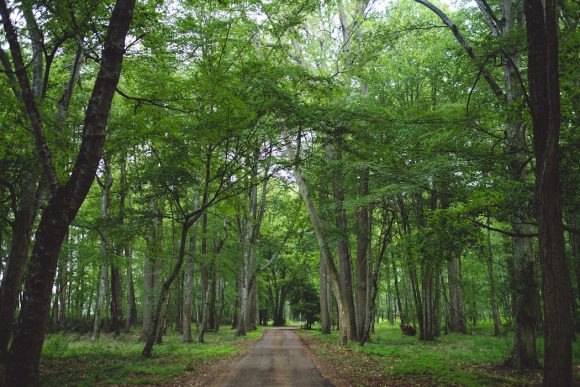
[395, 180]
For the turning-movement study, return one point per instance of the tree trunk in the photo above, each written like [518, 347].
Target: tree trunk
[204, 302]
[62, 281]
[16, 263]
[362, 264]
[322, 243]
[188, 285]
[152, 264]
[430, 303]
[105, 245]
[398, 294]
[204, 282]
[251, 232]
[524, 286]
[543, 78]
[430, 276]
[343, 249]
[22, 365]
[100, 300]
[212, 322]
[131, 302]
[126, 246]
[164, 294]
[493, 291]
[456, 301]
[324, 305]
[575, 245]
[116, 299]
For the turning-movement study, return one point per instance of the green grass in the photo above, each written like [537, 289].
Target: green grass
[69, 359]
[470, 360]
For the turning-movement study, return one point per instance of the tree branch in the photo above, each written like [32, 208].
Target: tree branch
[495, 88]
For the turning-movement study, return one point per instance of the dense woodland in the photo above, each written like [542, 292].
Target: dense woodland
[337, 163]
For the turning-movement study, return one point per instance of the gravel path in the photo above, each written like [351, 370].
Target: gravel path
[277, 359]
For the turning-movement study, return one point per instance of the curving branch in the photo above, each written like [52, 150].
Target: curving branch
[495, 88]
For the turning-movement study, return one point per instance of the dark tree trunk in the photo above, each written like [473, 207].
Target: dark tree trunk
[542, 31]
[12, 276]
[362, 264]
[24, 357]
[62, 282]
[575, 242]
[523, 269]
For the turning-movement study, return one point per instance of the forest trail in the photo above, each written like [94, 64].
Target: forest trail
[277, 359]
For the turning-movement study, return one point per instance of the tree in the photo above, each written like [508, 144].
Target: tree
[542, 32]
[24, 357]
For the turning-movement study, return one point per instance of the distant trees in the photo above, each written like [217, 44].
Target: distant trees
[331, 162]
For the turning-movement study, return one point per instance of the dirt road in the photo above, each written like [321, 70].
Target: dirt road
[277, 359]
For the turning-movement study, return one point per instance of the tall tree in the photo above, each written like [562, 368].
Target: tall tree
[24, 357]
[542, 32]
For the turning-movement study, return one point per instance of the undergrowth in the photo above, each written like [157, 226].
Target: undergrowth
[393, 359]
[71, 359]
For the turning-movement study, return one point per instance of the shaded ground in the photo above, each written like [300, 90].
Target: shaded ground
[396, 360]
[277, 359]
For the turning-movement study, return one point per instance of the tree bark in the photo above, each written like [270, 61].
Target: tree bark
[100, 300]
[575, 244]
[430, 277]
[105, 245]
[324, 304]
[362, 264]
[343, 249]
[543, 78]
[24, 358]
[188, 288]
[397, 293]
[456, 301]
[126, 248]
[493, 291]
[152, 264]
[62, 282]
[116, 299]
[157, 315]
[16, 263]
[204, 288]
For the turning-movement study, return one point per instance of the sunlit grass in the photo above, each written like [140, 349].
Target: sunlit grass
[70, 359]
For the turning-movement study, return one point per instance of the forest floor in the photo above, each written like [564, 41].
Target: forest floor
[392, 359]
[72, 359]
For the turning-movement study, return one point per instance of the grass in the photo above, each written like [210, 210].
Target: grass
[69, 359]
[391, 358]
